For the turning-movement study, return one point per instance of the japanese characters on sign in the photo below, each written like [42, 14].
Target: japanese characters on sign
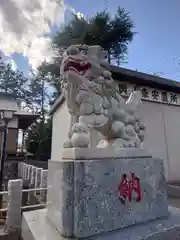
[155, 95]
[145, 93]
[164, 96]
[150, 94]
[127, 187]
[173, 98]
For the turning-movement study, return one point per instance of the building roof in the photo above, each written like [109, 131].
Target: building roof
[25, 119]
[144, 79]
[126, 75]
[6, 95]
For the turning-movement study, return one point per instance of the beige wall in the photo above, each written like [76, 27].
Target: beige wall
[162, 135]
[172, 124]
[61, 122]
[155, 139]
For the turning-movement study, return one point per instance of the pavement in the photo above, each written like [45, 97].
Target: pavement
[175, 202]
[4, 236]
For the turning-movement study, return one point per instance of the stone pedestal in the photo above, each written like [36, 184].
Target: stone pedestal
[84, 191]
[105, 194]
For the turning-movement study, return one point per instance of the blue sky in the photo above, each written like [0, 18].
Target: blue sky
[157, 42]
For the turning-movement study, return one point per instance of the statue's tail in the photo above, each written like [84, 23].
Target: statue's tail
[133, 101]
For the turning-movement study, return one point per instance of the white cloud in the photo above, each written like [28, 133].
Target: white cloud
[40, 51]
[13, 64]
[80, 15]
[10, 61]
[23, 24]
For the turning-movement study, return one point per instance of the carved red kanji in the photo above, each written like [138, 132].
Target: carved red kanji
[127, 187]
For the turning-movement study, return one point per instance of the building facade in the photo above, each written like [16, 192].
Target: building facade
[21, 121]
[160, 112]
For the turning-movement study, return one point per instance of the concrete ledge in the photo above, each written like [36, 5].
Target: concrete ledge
[103, 153]
[11, 236]
[35, 227]
[83, 197]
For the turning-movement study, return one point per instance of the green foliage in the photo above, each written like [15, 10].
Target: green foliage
[51, 74]
[112, 33]
[13, 82]
[38, 94]
[39, 135]
[32, 91]
[39, 139]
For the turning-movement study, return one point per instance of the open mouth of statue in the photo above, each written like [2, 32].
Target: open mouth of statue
[78, 66]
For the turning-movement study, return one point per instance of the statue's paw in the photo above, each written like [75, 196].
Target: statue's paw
[142, 127]
[93, 120]
[131, 145]
[118, 128]
[79, 127]
[67, 144]
[130, 130]
[141, 135]
[125, 145]
[86, 109]
[80, 140]
[137, 143]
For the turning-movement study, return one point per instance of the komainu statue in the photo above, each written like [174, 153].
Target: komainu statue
[94, 102]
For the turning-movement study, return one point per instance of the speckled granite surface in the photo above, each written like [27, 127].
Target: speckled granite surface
[83, 197]
[97, 207]
[60, 197]
[36, 227]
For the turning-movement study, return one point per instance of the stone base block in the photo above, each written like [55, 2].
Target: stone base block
[87, 197]
[36, 227]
